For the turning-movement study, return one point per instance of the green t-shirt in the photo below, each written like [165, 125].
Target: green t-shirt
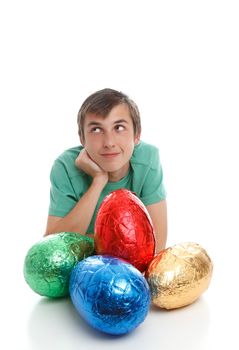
[68, 183]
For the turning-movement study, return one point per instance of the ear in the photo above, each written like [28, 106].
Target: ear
[136, 139]
[82, 141]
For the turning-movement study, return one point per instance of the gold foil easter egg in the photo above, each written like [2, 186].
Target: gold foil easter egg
[178, 275]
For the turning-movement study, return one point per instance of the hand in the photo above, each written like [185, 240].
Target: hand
[85, 163]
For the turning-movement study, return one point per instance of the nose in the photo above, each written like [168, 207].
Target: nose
[108, 140]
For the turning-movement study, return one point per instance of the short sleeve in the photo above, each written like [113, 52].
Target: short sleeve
[153, 189]
[62, 195]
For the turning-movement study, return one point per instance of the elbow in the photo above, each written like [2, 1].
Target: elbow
[48, 233]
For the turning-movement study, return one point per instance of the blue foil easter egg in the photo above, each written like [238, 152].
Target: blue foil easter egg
[110, 294]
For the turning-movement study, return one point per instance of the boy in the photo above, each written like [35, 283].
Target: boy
[111, 157]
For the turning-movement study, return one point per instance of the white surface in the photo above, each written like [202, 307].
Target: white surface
[36, 323]
[179, 61]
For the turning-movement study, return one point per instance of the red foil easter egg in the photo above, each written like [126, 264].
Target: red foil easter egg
[123, 228]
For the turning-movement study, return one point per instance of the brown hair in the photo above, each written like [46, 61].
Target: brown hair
[101, 102]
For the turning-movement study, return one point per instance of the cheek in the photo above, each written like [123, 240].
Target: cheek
[128, 150]
[92, 147]
[130, 145]
[126, 140]
[91, 143]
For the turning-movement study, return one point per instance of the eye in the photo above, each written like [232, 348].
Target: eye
[96, 130]
[120, 127]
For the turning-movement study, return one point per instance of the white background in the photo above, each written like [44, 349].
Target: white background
[179, 61]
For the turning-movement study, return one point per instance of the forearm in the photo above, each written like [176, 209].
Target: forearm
[158, 214]
[160, 240]
[79, 218]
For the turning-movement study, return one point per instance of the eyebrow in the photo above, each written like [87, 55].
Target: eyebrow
[98, 124]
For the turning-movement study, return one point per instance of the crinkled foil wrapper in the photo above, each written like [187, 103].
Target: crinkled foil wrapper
[178, 275]
[49, 262]
[110, 294]
[124, 229]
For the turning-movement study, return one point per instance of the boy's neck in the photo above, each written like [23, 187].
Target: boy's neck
[119, 174]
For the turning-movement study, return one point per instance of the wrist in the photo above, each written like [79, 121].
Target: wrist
[100, 180]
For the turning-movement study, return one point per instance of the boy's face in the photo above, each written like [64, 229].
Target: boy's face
[110, 141]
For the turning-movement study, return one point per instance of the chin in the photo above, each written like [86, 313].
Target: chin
[110, 169]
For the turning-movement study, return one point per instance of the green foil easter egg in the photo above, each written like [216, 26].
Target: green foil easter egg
[48, 263]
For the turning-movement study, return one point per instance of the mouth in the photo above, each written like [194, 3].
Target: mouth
[109, 155]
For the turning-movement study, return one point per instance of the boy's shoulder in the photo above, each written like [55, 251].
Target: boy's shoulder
[145, 154]
[70, 153]
[67, 160]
